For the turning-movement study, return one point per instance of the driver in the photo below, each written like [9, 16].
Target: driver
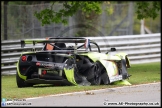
[48, 46]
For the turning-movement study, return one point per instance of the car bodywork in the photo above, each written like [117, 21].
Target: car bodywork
[77, 64]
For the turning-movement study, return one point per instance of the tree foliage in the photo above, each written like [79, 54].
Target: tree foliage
[148, 9]
[144, 9]
[48, 16]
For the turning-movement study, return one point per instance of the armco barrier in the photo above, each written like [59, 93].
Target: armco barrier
[140, 49]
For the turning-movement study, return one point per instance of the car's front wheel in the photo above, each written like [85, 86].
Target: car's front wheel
[21, 82]
[94, 75]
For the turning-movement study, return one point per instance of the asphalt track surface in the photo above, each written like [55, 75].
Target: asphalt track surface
[132, 96]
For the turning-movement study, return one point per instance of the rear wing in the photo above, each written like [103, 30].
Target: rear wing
[52, 40]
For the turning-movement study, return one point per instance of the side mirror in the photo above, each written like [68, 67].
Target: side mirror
[113, 49]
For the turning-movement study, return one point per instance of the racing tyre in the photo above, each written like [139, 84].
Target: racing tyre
[104, 77]
[94, 75]
[21, 83]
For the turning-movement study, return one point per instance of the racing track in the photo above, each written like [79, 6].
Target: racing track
[137, 94]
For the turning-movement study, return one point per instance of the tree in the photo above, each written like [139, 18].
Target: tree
[48, 16]
[147, 9]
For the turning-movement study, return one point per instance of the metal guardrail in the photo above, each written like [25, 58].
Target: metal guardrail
[140, 49]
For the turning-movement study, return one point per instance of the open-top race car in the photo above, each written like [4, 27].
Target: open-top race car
[70, 61]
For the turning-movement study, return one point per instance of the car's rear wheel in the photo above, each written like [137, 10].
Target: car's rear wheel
[94, 75]
[21, 82]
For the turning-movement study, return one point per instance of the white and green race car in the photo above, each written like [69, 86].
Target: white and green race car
[70, 61]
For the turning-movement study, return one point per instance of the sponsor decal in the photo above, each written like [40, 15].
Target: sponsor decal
[38, 64]
[49, 72]
[46, 65]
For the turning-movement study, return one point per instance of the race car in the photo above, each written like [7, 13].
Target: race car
[70, 61]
